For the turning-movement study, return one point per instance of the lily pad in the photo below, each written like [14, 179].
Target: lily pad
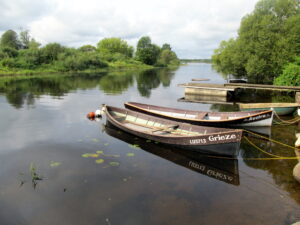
[135, 146]
[99, 161]
[114, 163]
[148, 141]
[106, 144]
[55, 164]
[95, 140]
[99, 152]
[90, 155]
[130, 154]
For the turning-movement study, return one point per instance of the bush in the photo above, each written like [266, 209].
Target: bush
[290, 75]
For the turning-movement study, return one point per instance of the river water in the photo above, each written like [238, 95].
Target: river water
[58, 167]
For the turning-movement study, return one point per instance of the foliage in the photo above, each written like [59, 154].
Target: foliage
[87, 48]
[113, 49]
[24, 39]
[290, 75]
[10, 39]
[268, 38]
[51, 51]
[167, 57]
[147, 52]
[23, 54]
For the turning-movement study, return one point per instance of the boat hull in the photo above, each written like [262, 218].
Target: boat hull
[281, 109]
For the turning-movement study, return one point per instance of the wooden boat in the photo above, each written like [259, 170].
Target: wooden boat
[206, 164]
[203, 118]
[220, 141]
[281, 109]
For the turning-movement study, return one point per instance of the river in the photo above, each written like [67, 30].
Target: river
[58, 167]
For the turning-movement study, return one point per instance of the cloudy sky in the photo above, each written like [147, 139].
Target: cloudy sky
[194, 28]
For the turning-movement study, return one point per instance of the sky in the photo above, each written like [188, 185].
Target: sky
[193, 28]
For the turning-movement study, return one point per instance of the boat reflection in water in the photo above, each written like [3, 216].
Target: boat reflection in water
[214, 166]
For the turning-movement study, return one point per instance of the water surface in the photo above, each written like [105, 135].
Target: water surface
[94, 174]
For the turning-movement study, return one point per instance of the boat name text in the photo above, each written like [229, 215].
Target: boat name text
[213, 138]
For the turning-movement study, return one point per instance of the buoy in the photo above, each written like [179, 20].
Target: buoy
[91, 115]
[98, 113]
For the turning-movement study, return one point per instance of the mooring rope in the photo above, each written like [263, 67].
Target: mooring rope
[273, 156]
[271, 140]
[286, 122]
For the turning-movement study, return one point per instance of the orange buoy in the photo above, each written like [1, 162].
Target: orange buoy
[91, 115]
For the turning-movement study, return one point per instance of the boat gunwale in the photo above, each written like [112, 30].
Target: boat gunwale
[268, 105]
[132, 104]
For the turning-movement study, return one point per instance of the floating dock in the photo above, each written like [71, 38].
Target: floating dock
[207, 89]
[230, 88]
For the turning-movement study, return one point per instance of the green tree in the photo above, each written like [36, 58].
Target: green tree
[268, 38]
[24, 39]
[51, 51]
[10, 39]
[147, 52]
[166, 46]
[111, 46]
[87, 48]
[33, 44]
[167, 57]
[290, 75]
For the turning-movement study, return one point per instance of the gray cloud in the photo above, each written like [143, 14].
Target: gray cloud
[193, 28]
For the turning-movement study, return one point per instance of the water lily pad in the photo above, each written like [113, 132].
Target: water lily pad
[135, 146]
[54, 164]
[90, 155]
[99, 152]
[148, 141]
[106, 144]
[114, 163]
[99, 161]
[130, 154]
[95, 140]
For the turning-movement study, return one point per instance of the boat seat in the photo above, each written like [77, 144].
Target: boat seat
[200, 116]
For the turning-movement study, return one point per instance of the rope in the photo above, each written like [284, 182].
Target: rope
[286, 122]
[270, 154]
[272, 140]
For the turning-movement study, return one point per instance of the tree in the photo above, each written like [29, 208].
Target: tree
[24, 39]
[167, 57]
[290, 75]
[147, 52]
[10, 39]
[268, 38]
[51, 51]
[87, 48]
[115, 45]
[33, 44]
[166, 47]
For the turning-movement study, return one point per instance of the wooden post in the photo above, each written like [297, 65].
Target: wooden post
[297, 97]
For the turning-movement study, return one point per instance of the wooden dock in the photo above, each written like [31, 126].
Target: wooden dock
[207, 89]
[262, 86]
[229, 88]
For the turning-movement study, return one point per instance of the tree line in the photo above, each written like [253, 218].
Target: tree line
[267, 47]
[22, 52]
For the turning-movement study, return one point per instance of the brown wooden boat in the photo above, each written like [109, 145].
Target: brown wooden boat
[204, 118]
[220, 141]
